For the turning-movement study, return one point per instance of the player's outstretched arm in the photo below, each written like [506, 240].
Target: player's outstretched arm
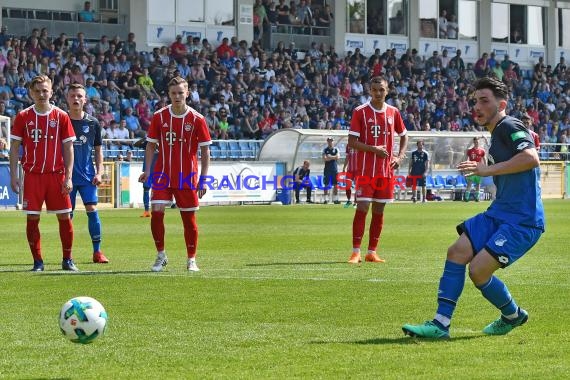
[521, 162]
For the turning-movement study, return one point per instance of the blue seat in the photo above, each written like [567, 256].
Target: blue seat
[245, 150]
[214, 152]
[440, 183]
[448, 182]
[460, 182]
[117, 116]
[234, 152]
[430, 183]
[223, 149]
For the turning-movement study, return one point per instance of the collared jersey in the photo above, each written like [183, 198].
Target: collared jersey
[42, 136]
[376, 127]
[178, 137]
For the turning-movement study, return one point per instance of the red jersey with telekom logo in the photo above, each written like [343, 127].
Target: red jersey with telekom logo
[179, 138]
[376, 127]
[475, 154]
[42, 136]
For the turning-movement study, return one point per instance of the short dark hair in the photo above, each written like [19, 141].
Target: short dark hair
[497, 87]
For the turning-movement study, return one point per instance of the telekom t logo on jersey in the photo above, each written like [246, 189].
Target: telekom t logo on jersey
[170, 137]
[375, 130]
[36, 135]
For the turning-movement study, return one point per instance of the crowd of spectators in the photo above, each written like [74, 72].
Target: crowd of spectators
[248, 92]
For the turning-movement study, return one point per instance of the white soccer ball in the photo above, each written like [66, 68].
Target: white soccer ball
[82, 319]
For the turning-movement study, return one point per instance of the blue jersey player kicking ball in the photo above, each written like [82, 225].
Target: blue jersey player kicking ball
[509, 228]
[86, 176]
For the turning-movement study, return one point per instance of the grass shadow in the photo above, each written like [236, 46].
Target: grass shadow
[400, 340]
[302, 263]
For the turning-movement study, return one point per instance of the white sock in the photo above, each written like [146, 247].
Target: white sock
[443, 320]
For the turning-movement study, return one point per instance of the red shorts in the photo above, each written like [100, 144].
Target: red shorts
[186, 199]
[40, 188]
[379, 190]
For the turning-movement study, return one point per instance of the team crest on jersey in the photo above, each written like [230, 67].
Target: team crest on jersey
[85, 129]
[187, 127]
[390, 120]
[53, 123]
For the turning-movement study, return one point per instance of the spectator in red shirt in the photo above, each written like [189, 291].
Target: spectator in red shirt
[178, 49]
[225, 47]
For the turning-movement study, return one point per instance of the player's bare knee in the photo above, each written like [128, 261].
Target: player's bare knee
[459, 254]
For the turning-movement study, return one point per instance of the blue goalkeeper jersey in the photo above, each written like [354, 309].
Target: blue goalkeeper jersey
[88, 133]
[518, 199]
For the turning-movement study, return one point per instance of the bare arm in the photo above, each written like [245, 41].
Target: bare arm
[98, 165]
[15, 182]
[68, 165]
[204, 166]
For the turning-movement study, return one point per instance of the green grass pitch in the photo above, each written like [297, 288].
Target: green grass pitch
[276, 299]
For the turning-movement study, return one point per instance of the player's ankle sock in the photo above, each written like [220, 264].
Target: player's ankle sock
[496, 292]
[190, 232]
[466, 195]
[358, 225]
[442, 321]
[450, 288]
[157, 228]
[66, 236]
[356, 250]
[34, 240]
[375, 230]
[94, 226]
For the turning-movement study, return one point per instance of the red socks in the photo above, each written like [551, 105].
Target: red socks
[358, 225]
[33, 234]
[157, 228]
[190, 232]
[376, 225]
[66, 236]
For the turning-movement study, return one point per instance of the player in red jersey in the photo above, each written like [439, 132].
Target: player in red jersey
[46, 135]
[179, 131]
[372, 133]
[476, 154]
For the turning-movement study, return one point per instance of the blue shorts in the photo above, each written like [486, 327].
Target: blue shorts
[88, 194]
[505, 242]
[330, 179]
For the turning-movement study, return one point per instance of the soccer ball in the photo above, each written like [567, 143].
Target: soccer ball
[82, 319]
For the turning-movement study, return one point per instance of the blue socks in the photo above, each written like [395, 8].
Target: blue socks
[496, 292]
[146, 198]
[450, 288]
[94, 225]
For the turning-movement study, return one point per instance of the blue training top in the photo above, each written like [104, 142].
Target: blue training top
[518, 198]
[88, 136]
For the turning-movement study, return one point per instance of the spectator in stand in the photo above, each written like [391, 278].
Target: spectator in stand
[130, 46]
[106, 116]
[443, 24]
[452, 27]
[178, 49]
[132, 124]
[481, 67]
[87, 14]
[225, 48]
[143, 112]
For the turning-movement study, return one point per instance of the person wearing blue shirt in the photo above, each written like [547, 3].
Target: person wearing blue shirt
[502, 234]
[87, 15]
[86, 176]
[331, 156]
